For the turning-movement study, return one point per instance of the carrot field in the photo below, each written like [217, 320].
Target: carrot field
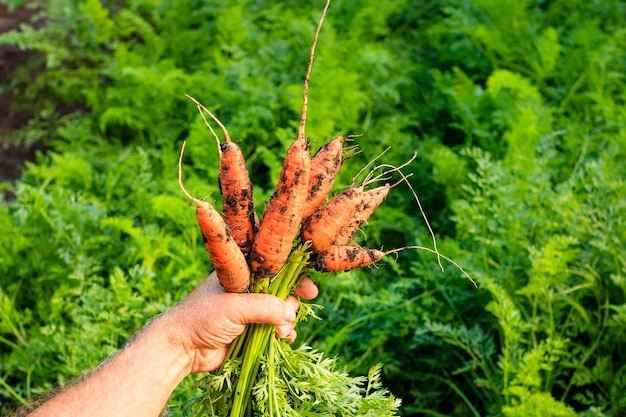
[495, 132]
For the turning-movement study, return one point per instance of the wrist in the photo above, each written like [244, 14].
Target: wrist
[137, 381]
[164, 336]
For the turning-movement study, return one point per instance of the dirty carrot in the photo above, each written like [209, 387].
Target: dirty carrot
[282, 215]
[324, 225]
[337, 258]
[235, 187]
[325, 165]
[370, 202]
[227, 259]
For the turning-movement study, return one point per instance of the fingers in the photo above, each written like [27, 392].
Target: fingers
[286, 328]
[264, 308]
[307, 289]
[291, 337]
[268, 309]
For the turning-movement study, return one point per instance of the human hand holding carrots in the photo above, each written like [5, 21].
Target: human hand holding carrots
[192, 337]
[205, 323]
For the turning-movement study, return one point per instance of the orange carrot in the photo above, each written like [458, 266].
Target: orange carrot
[325, 165]
[370, 202]
[227, 259]
[324, 225]
[236, 188]
[337, 258]
[282, 215]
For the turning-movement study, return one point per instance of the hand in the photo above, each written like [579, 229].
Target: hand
[207, 320]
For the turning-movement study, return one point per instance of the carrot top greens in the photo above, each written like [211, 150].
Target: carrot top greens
[281, 381]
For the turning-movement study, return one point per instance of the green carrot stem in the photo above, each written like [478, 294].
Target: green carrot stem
[273, 407]
[253, 344]
[237, 345]
[254, 348]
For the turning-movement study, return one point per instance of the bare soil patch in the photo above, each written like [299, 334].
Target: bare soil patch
[12, 157]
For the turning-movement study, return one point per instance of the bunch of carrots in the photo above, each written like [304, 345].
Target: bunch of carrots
[301, 228]
[242, 246]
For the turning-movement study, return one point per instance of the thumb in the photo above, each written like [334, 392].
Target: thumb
[265, 308]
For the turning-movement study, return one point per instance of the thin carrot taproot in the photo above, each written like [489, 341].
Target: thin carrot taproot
[325, 166]
[226, 256]
[235, 186]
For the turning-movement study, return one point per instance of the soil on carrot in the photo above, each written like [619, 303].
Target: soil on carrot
[12, 158]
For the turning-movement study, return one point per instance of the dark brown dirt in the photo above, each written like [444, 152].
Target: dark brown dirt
[12, 157]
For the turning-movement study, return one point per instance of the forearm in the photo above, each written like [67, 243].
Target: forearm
[137, 381]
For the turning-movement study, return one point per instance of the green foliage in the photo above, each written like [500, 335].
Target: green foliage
[298, 382]
[516, 109]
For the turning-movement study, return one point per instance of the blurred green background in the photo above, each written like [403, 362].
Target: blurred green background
[516, 109]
